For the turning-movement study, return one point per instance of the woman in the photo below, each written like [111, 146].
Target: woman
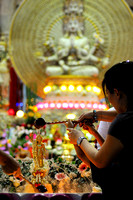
[111, 165]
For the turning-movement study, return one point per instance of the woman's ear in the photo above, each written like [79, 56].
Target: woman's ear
[116, 92]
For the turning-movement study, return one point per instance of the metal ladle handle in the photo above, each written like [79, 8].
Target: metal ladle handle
[35, 189]
[40, 122]
[62, 122]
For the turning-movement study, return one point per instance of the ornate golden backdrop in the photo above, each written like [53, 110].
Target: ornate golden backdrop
[37, 20]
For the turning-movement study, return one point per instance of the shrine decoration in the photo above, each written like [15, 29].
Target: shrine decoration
[48, 42]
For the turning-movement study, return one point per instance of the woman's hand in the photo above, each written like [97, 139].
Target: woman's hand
[17, 173]
[74, 135]
[12, 168]
[85, 116]
[69, 124]
[9, 165]
[87, 125]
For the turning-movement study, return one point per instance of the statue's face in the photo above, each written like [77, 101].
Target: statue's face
[39, 139]
[73, 7]
[73, 25]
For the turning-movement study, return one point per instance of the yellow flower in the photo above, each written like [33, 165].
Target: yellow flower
[38, 115]
[9, 141]
[30, 114]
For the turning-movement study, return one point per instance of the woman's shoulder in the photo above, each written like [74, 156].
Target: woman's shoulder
[124, 116]
[120, 125]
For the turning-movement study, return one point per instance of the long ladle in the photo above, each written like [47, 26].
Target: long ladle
[40, 122]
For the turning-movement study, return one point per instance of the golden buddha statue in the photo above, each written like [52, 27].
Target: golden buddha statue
[40, 166]
[38, 152]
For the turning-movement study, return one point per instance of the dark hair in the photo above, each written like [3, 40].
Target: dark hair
[120, 77]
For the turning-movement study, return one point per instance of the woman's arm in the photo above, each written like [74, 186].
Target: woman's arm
[81, 155]
[108, 152]
[108, 116]
[93, 132]
[98, 137]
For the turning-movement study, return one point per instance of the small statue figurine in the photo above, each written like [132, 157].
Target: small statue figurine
[40, 167]
[38, 152]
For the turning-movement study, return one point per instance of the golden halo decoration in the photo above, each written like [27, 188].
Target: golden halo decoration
[36, 21]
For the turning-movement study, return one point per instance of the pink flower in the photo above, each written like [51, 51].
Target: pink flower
[34, 136]
[60, 176]
[4, 134]
[27, 137]
[4, 141]
[9, 145]
[2, 148]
